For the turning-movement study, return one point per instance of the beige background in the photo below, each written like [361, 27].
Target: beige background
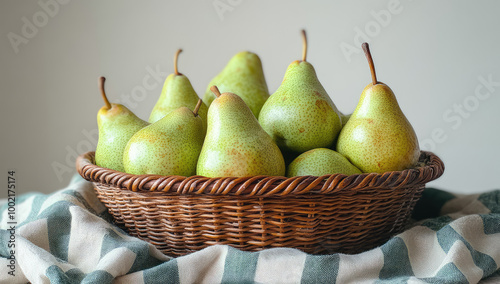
[436, 56]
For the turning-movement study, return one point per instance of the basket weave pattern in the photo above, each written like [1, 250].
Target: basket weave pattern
[333, 213]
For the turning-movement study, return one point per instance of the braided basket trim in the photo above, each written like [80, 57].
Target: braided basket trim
[431, 168]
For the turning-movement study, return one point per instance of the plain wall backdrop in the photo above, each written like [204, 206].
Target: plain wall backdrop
[441, 58]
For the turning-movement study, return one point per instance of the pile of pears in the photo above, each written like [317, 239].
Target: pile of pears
[239, 129]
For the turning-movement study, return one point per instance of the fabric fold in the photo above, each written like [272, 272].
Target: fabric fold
[68, 237]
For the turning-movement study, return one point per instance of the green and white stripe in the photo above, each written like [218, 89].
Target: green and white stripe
[68, 237]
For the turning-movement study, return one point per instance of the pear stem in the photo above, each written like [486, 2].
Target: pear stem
[366, 49]
[197, 107]
[304, 45]
[176, 56]
[103, 93]
[215, 90]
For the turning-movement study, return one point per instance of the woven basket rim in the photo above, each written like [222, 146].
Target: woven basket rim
[430, 168]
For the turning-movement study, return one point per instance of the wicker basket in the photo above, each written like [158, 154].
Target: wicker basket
[318, 215]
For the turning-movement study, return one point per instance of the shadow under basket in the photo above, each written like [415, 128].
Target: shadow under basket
[318, 215]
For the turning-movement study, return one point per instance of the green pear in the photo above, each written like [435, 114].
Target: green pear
[319, 162]
[378, 137]
[243, 75]
[300, 115]
[116, 124]
[177, 92]
[235, 144]
[170, 146]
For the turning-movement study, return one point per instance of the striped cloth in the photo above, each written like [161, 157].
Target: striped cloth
[67, 237]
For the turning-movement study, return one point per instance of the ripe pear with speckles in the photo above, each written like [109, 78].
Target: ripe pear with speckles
[378, 137]
[300, 115]
[243, 75]
[170, 146]
[319, 162]
[235, 144]
[177, 92]
[116, 124]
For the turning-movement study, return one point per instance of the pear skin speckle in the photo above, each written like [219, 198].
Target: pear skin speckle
[235, 144]
[300, 115]
[116, 126]
[177, 92]
[244, 76]
[378, 137]
[170, 146]
[321, 161]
